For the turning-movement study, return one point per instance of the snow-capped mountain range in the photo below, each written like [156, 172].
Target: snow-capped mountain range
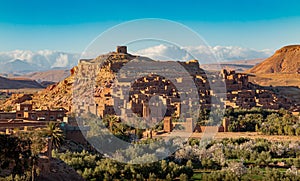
[205, 54]
[24, 61]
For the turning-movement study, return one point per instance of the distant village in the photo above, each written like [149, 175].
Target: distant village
[25, 118]
[240, 93]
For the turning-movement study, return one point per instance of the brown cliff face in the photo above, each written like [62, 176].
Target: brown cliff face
[284, 60]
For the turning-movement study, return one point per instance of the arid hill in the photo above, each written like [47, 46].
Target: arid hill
[285, 60]
[18, 83]
[61, 94]
[49, 76]
[281, 69]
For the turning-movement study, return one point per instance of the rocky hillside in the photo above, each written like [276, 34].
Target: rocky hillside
[285, 60]
[61, 94]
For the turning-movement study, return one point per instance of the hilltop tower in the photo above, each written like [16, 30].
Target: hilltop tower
[122, 49]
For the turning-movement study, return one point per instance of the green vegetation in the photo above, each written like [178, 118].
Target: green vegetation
[255, 173]
[226, 159]
[55, 134]
[94, 167]
[19, 152]
[268, 122]
[243, 159]
[15, 153]
[281, 125]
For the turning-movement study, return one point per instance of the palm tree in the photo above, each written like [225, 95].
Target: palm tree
[114, 125]
[55, 134]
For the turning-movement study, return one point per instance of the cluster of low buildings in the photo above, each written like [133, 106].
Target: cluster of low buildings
[231, 88]
[24, 117]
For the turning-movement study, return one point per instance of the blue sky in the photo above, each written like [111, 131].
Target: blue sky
[72, 25]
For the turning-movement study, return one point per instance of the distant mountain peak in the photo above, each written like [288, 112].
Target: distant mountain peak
[24, 61]
[284, 60]
[16, 60]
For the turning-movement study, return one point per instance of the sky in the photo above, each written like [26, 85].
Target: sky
[71, 25]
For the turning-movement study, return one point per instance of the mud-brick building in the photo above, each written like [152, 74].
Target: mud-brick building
[7, 115]
[25, 111]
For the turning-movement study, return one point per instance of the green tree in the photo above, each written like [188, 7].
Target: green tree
[297, 131]
[55, 134]
[15, 151]
[114, 125]
[8, 108]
